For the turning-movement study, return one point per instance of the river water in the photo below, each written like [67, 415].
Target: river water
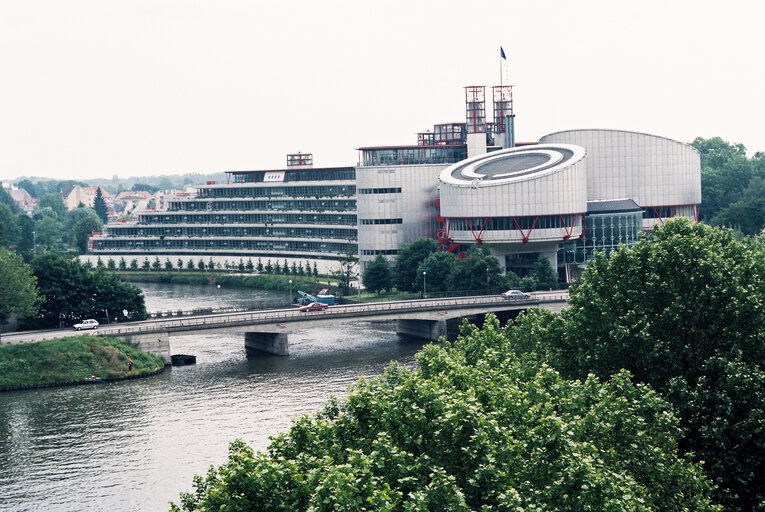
[135, 445]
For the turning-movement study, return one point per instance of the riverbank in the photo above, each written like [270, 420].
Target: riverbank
[73, 360]
[252, 281]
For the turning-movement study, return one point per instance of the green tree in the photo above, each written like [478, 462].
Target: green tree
[168, 264]
[146, 265]
[190, 265]
[201, 264]
[54, 202]
[79, 233]
[269, 268]
[473, 427]
[122, 264]
[315, 270]
[259, 266]
[9, 227]
[684, 313]
[249, 267]
[377, 275]
[26, 241]
[48, 234]
[545, 275]
[110, 264]
[347, 271]
[72, 217]
[438, 267]
[479, 272]
[99, 205]
[134, 264]
[18, 287]
[71, 293]
[408, 260]
[180, 263]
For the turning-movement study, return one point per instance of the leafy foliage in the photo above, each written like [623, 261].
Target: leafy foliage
[18, 290]
[473, 428]
[99, 205]
[408, 260]
[731, 185]
[72, 293]
[377, 275]
[684, 313]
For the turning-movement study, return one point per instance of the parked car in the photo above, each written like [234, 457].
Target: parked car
[515, 295]
[86, 324]
[314, 306]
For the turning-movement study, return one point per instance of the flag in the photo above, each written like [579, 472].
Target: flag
[502, 53]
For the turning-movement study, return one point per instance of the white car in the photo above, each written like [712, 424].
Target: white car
[515, 295]
[86, 324]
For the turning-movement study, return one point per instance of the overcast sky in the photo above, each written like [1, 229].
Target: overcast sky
[96, 88]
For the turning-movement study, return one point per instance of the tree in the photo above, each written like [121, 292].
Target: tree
[259, 266]
[54, 202]
[377, 275]
[438, 267]
[190, 265]
[479, 272]
[48, 234]
[71, 293]
[473, 427]
[269, 268]
[408, 259]
[110, 264]
[146, 265]
[122, 264]
[134, 264]
[72, 217]
[9, 227]
[249, 267]
[684, 313]
[99, 205]
[201, 264]
[545, 275]
[346, 272]
[79, 233]
[180, 263]
[168, 264]
[18, 287]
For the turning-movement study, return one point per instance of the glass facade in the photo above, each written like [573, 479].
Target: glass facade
[603, 233]
[413, 155]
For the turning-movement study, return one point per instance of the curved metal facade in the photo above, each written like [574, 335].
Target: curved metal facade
[661, 175]
[532, 193]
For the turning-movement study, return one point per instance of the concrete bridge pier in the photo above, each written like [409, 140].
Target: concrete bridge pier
[157, 343]
[426, 329]
[274, 343]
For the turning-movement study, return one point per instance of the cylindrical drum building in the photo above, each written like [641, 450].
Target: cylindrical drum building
[520, 200]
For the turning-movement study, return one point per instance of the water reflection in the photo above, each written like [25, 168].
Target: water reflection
[135, 445]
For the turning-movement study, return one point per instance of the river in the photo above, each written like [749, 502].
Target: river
[135, 445]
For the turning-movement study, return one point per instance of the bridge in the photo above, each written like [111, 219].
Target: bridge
[268, 331]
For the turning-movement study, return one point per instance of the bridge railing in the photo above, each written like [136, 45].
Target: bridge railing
[283, 315]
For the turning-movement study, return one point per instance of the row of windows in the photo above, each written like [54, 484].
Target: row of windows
[249, 218]
[271, 204]
[392, 190]
[265, 231]
[375, 252]
[515, 223]
[302, 191]
[381, 221]
[108, 244]
[413, 155]
[343, 173]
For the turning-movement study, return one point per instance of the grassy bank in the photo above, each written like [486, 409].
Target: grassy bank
[255, 281]
[71, 360]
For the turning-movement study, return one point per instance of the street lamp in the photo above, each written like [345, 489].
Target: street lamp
[487, 280]
[424, 284]
[34, 243]
[289, 299]
[218, 297]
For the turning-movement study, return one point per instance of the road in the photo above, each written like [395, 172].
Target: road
[367, 309]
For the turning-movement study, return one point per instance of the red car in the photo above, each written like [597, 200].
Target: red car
[314, 306]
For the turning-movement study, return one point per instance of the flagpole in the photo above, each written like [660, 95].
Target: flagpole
[500, 67]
